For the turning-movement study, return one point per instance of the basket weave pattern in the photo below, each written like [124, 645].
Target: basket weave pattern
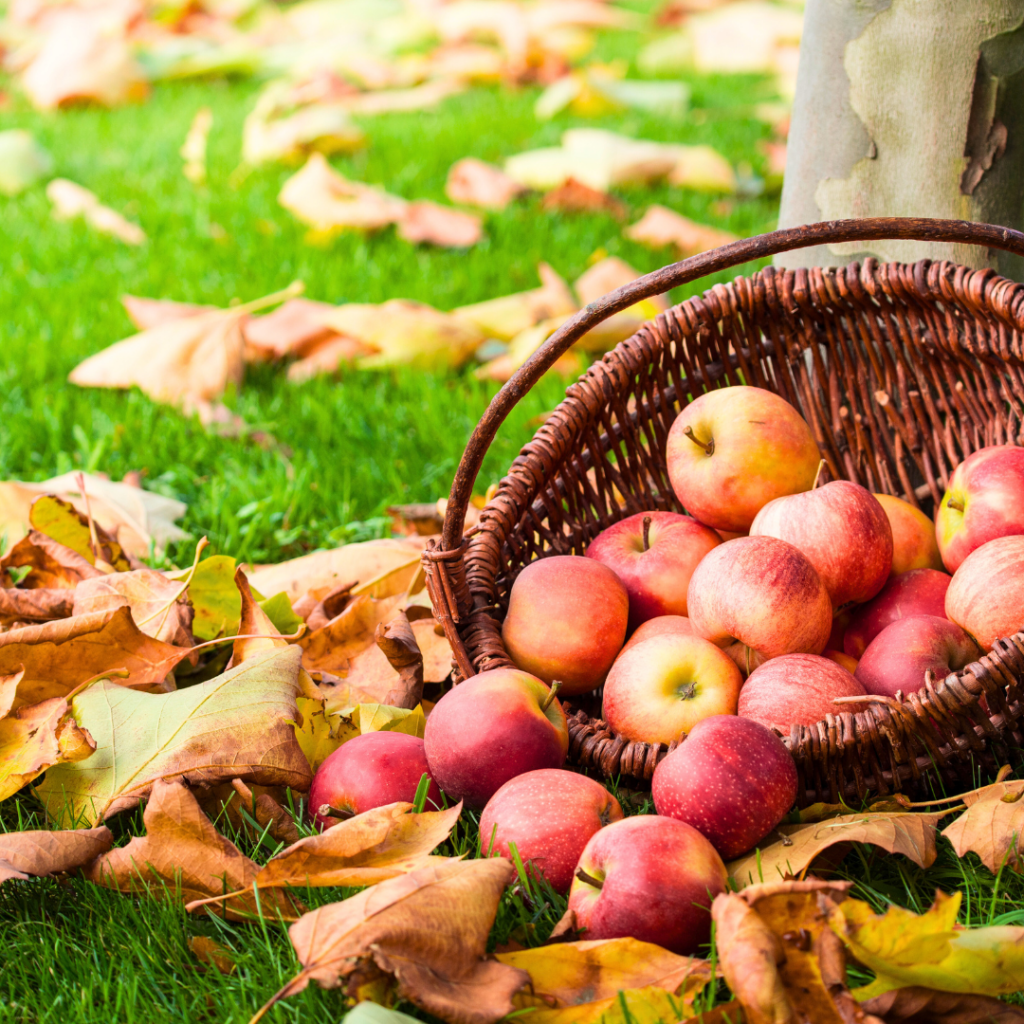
[901, 371]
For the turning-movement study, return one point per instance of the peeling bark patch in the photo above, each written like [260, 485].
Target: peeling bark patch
[992, 149]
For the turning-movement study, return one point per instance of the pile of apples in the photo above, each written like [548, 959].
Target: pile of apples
[777, 601]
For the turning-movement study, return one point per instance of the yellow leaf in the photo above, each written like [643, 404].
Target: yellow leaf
[62, 522]
[384, 718]
[320, 733]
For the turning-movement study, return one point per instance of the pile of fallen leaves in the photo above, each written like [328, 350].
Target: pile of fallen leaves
[193, 692]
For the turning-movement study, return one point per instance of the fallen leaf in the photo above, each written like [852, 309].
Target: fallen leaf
[23, 161]
[71, 200]
[210, 951]
[475, 183]
[50, 564]
[435, 648]
[267, 812]
[328, 356]
[158, 605]
[335, 647]
[215, 598]
[293, 329]
[64, 523]
[146, 313]
[419, 97]
[59, 656]
[926, 1006]
[237, 725]
[193, 149]
[660, 226]
[182, 856]
[587, 982]
[256, 631]
[913, 835]
[992, 826]
[428, 929]
[703, 169]
[320, 732]
[35, 738]
[39, 605]
[930, 949]
[609, 274]
[36, 854]
[397, 641]
[573, 196]
[423, 221]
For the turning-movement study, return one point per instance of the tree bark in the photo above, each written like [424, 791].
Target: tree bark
[908, 108]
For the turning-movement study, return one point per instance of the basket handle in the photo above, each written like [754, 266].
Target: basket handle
[735, 253]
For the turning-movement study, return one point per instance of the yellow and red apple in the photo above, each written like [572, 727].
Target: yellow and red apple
[986, 595]
[913, 536]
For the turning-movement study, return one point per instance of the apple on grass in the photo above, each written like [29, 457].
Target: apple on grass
[657, 627]
[843, 531]
[659, 689]
[654, 554]
[758, 598]
[913, 536]
[798, 689]
[732, 450]
[733, 780]
[900, 656]
[984, 501]
[549, 815]
[917, 592]
[986, 596]
[566, 620]
[370, 771]
[649, 878]
[491, 728]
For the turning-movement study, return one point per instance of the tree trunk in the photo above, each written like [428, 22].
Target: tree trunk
[908, 108]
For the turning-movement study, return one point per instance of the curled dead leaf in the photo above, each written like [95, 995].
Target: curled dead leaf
[51, 565]
[256, 631]
[660, 226]
[70, 200]
[267, 812]
[63, 522]
[293, 329]
[146, 313]
[40, 605]
[476, 183]
[40, 853]
[210, 951]
[424, 221]
[917, 1005]
[992, 826]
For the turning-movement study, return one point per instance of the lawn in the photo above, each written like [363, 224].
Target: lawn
[345, 448]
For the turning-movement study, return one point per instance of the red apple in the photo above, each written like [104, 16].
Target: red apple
[656, 627]
[984, 500]
[917, 592]
[370, 771]
[660, 689]
[898, 658]
[566, 620]
[550, 815]
[491, 728]
[761, 597]
[843, 531]
[649, 878]
[733, 780]
[986, 596]
[654, 554]
[913, 536]
[797, 689]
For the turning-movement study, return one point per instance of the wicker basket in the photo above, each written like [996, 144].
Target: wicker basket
[900, 369]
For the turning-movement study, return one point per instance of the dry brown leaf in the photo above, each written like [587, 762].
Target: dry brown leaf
[293, 329]
[436, 651]
[159, 606]
[62, 522]
[475, 183]
[51, 565]
[58, 656]
[397, 641]
[39, 853]
[917, 1005]
[587, 982]
[183, 856]
[39, 605]
[146, 313]
[71, 200]
[193, 149]
[609, 274]
[573, 196]
[210, 951]
[255, 630]
[336, 647]
[661, 226]
[328, 356]
[423, 221]
[35, 738]
[427, 929]
[910, 834]
[267, 812]
[992, 826]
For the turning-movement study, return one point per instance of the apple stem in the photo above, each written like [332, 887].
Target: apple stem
[688, 692]
[556, 685]
[589, 879]
[817, 476]
[647, 533]
[327, 811]
[954, 503]
[709, 448]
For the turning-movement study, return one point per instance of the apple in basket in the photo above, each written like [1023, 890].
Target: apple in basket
[984, 500]
[797, 689]
[654, 554]
[566, 620]
[986, 596]
[658, 690]
[913, 536]
[733, 780]
[651, 878]
[733, 450]
[550, 816]
[917, 592]
[758, 598]
[656, 627]
[898, 658]
[491, 728]
[843, 531]
[370, 771]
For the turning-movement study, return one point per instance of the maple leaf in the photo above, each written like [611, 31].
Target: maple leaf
[256, 631]
[475, 183]
[71, 200]
[573, 196]
[40, 605]
[609, 274]
[427, 929]
[36, 854]
[237, 725]
[992, 826]
[182, 856]
[146, 313]
[913, 835]
[660, 226]
[64, 523]
[588, 982]
[294, 329]
[327, 356]
[22, 161]
[51, 565]
[423, 221]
